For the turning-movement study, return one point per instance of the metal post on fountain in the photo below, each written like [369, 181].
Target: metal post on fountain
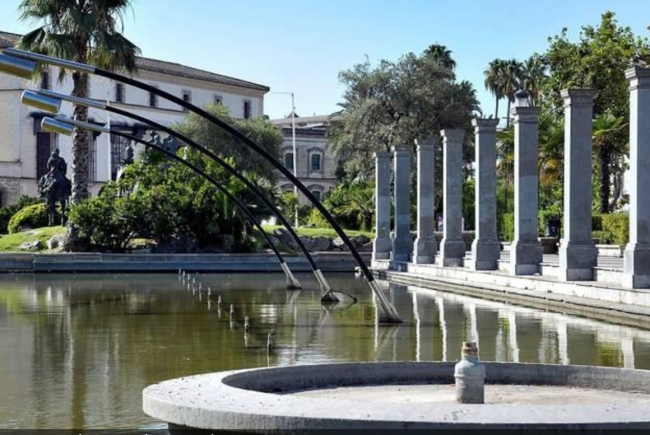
[13, 62]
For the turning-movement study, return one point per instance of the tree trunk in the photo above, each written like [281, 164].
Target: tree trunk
[605, 171]
[508, 114]
[496, 110]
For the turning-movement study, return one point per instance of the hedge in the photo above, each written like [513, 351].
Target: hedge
[33, 216]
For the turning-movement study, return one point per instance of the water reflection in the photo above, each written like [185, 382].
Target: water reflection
[77, 352]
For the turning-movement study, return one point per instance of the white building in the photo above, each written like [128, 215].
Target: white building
[24, 148]
[316, 163]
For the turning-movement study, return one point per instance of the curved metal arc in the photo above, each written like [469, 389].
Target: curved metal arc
[389, 310]
[212, 180]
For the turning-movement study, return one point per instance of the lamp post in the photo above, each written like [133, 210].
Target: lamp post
[294, 151]
[13, 61]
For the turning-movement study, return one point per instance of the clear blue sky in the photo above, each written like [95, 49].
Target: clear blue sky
[302, 45]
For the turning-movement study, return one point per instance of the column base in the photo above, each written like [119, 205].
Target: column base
[402, 248]
[636, 266]
[424, 251]
[577, 260]
[485, 254]
[525, 257]
[381, 247]
[452, 253]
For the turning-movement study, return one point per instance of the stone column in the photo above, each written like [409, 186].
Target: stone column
[381, 245]
[486, 248]
[402, 243]
[578, 253]
[425, 244]
[526, 251]
[452, 247]
[636, 259]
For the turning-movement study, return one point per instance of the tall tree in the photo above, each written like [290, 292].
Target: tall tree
[86, 31]
[533, 72]
[494, 81]
[610, 149]
[511, 83]
[440, 53]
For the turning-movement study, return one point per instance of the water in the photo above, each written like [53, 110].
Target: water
[76, 351]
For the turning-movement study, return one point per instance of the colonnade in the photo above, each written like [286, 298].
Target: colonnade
[577, 251]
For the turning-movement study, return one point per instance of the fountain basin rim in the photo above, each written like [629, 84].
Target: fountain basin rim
[248, 400]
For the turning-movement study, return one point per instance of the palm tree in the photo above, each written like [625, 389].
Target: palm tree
[533, 72]
[610, 146]
[511, 83]
[494, 82]
[551, 149]
[84, 31]
[442, 55]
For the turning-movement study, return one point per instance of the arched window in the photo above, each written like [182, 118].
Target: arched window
[316, 194]
[315, 160]
[288, 160]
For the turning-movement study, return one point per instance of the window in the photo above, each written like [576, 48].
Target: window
[118, 153]
[288, 161]
[218, 99]
[316, 194]
[45, 80]
[187, 97]
[316, 162]
[119, 93]
[92, 157]
[43, 148]
[247, 109]
[153, 100]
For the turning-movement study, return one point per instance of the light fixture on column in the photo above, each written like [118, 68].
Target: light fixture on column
[521, 98]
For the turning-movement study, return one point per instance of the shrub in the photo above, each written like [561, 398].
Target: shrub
[617, 227]
[597, 222]
[6, 213]
[506, 227]
[33, 216]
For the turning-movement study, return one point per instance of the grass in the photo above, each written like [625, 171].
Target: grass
[316, 232]
[12, 242]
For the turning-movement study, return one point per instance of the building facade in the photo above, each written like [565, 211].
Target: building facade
[24, 148]
[316, 163]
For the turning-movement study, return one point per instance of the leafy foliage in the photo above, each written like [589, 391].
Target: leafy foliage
[6, 213]
[32, 216]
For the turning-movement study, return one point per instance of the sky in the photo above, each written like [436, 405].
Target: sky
[300, 46]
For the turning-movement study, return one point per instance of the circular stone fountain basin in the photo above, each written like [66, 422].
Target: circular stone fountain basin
[402, 396]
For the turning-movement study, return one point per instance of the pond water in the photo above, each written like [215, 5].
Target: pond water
[77, 350]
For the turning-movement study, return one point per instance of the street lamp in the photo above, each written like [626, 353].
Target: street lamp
[294, 151]
[12, 61]
[521, 98]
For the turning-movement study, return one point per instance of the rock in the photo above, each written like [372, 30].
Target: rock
[55, 242]
[359, 240]
[321, 243]
[338, 243]
[366, 247]
[285, 238]
[35, 245]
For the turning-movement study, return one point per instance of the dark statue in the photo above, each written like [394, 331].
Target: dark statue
[55, 188]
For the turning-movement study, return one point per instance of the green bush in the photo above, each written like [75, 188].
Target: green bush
[6, 213]
[33, 216]
[506, 227]
[617, 227]
[601, 237]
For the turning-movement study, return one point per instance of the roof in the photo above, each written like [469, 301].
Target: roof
[306, 120]
[160, 66]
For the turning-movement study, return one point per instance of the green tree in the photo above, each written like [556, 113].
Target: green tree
[511, 83]
[86, 31]
[610, 148]
[494, 82]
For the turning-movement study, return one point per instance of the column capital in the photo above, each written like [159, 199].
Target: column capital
[382, 155]
[578, 97]
[525, 114]
[425, 143]
[401, 150]
[455, 134]
[486, 125]
[639, 77]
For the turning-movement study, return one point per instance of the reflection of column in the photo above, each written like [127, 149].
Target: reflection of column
[425, 243]
[627, 347]
[418, 337]
[499, 350]
[452, 247]
[525, 250]
[470, 310]
[486, 248]
[443, 326]
[382, 244]
[636, 264]
[402, 244]
[578, 253]
[562, 342]
[512, 322]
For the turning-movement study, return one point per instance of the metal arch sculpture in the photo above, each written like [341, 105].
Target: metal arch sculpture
[40, 97]
[50, 124]
[19, 66]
